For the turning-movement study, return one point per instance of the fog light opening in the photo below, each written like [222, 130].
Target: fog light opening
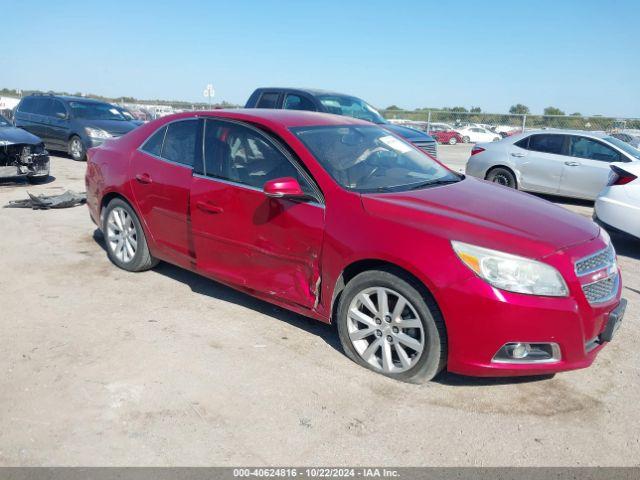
[526, 352]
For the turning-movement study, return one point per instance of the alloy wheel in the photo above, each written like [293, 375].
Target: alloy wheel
[76, 148]
[122, 236]
[385, 330]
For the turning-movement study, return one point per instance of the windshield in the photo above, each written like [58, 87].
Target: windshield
[95, 111]
[369, 159]
[634, 152]
[4, 122]
[351, 107]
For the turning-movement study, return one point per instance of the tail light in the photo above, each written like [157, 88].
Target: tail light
[476, 150]
[619, 176]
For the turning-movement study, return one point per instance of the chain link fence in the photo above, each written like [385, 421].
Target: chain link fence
[507, 124]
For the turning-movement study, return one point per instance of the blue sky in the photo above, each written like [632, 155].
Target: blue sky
[576, 55]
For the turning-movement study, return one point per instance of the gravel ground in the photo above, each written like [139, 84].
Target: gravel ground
[105, 367]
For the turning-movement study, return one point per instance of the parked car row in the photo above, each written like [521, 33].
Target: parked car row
[578, 164]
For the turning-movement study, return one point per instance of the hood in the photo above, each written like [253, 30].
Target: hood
[114, 127]
[9, 135]
[485, 214]
[407, 133]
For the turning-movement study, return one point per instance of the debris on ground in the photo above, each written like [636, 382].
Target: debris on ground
[67, 199]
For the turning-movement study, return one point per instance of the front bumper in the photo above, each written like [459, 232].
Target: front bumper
[481, 319]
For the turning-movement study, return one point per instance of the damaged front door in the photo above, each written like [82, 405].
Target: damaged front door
[240, 235]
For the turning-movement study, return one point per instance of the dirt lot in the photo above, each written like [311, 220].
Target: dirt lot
[105, 367]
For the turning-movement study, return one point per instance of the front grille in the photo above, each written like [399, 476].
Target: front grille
[602, 259]
[429, 147]
[602, 290]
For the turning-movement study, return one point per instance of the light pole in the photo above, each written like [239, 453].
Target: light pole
[209, 93]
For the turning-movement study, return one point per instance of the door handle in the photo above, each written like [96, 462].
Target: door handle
[144, 178]
[573, 164]
[209, 207]
[519, 155]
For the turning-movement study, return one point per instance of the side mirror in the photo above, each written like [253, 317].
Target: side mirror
[285, 187]
[61, 115]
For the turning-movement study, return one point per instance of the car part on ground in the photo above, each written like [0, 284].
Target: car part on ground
[618, 204]
[67, 199]
[556, 162]
[337, 104]
[22, 154]
[334, 218]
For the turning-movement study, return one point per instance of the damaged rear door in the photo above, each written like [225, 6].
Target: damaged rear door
[240, 235]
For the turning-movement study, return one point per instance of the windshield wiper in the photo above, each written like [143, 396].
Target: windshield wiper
[433, 182]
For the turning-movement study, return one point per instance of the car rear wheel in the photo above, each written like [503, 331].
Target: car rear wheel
[76, 149]
[466, 140]
[502, 176]
[453, 141]
[387, 324]
[124, 238]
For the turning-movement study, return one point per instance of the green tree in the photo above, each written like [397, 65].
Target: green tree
[519, 109]
[393, 107]
[476, 110]
[553, 111]
[576, 114]
[459, 109]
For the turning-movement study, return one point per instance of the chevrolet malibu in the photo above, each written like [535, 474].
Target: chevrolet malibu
[340, 220]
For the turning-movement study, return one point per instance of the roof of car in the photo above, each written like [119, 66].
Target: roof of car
[558, 131]
[68, 98]
[286, 118]
[310, 91]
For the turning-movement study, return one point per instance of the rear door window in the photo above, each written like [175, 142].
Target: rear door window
[591, 149]
[547, 143]
[40, 105]
[297, 102]
[268, 100]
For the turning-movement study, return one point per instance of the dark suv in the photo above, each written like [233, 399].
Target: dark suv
[71, 124]
[339, 104]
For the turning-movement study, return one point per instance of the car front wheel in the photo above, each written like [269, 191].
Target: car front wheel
[453, 141]
[387, 324]
[76, 149]
[124, 238]
[502, 176]
[466, 140]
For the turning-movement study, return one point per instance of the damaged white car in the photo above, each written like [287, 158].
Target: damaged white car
[22, 154]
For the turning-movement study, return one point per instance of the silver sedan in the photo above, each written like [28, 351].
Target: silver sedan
[558, 162]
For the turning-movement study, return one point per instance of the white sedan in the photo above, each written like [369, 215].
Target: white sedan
[618, 205]
[472, 134]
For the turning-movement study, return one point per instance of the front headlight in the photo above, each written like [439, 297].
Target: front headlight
[97, 133]
[511, 272]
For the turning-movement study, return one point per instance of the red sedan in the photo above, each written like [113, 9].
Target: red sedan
[446, 136]
[337, 219]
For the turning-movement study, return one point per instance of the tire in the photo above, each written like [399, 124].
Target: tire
[119, 217]
[425, 330]
[496, 139]
[466, 140]
[76, 149]
[502, 176]
[453, 141]
[38, 180]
